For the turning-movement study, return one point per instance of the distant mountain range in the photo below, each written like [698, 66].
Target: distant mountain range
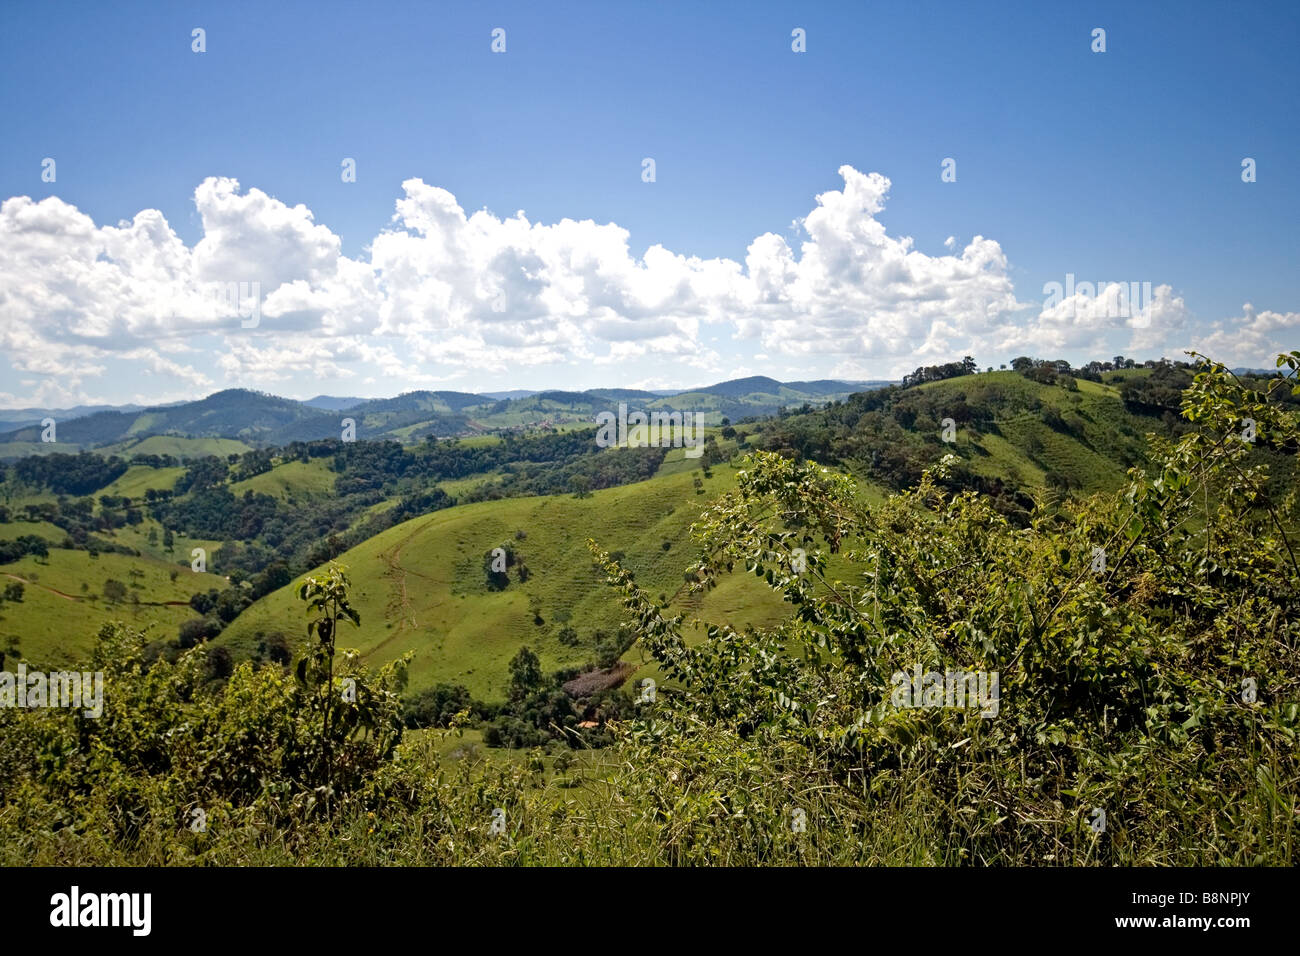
[513, 393]
[12, 418]
[256, 418]
[331, 403]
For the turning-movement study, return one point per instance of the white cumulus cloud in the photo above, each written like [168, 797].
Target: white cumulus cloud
[442, 293]
[1253, 339]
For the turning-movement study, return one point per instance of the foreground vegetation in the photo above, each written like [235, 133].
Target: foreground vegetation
[1145, 640]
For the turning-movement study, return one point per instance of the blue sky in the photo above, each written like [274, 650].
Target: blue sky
[1118, 166]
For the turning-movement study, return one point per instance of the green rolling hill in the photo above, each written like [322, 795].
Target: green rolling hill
[422, 585]
[290, 480]
[56, 622]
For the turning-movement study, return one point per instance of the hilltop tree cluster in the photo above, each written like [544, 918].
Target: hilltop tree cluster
[937, 373]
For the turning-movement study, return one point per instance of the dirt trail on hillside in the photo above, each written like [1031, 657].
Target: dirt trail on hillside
[399, 602]
[81, 600]
[43, 587]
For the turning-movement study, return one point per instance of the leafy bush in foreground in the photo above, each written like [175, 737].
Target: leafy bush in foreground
[1145, 644]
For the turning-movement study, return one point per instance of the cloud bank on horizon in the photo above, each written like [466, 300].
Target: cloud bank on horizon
[449, 299]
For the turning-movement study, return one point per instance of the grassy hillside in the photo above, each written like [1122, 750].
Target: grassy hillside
[1039, 430]
[1013, 435]
[63, 604]
[21, 449]
[140, 478]
[425, 580]
[290, 480]
[173, 445]
[42, 529]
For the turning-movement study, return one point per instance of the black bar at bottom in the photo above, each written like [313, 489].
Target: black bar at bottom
[334, 905]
